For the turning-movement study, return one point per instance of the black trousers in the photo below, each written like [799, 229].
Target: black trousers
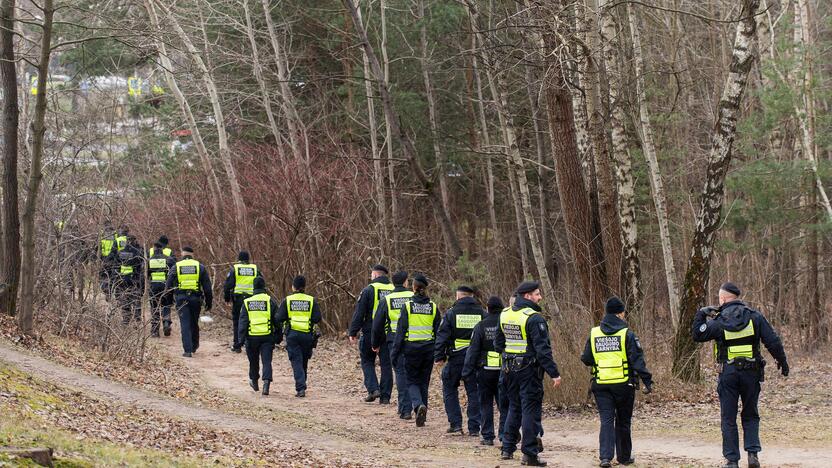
[735, 385]
[260, 349]
[159, 309]
[615, 407]
[188, 307]
[299, 349]
[236, 307]
[525, 408]
[490, 396]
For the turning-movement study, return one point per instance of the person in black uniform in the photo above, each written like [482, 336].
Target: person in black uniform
[107, 251]
[523, 341]
[452, 341]
[617, 361]
[415, 341]
[482, 361]
[239, 285]
[737, 330]
[301, 312]
[130, 282]
[259, 330]
[161, 299]
[384, 334]
[191, 285]
[362, 321]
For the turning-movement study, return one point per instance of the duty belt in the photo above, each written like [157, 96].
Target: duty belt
[743, 364]
[514, 363]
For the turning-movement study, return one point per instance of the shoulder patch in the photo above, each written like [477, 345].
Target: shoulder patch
[638, 344]
[703, 327]
[542, 326]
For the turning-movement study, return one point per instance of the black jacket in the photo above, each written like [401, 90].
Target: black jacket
[482, 341]
[362, 317]
[381, 322]
[131, 255]
[204, 284]
[537, 332]
[448, 331]
[231, 282]
[610, 325]
[242, 331]
[734, 316]
[401, 331]
[283, 317]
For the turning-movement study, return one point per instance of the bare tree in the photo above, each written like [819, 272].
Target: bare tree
[10, 222]
[685, 352]
[27, 273]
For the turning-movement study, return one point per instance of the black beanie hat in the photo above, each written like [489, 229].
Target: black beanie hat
[731, 288]
[243, 256]
[399, 277]
[465, 289]
[420, 278]
[526, 287]
[259, 283]
[163, 240]
[614, 306]
[495, 305]
[188, 249]
[299, 282]
[381, 268]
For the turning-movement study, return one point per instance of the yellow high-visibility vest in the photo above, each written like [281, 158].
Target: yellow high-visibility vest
[513, 325]
[610, 354]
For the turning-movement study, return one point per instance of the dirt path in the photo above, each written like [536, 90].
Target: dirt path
[333, 423]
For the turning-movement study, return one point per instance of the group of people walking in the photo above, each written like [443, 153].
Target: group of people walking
[499, 354]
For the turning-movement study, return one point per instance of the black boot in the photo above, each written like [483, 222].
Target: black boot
[253, 384]
[506, 455]
[266, 387]
[532, 460]
[731, 464]
[166, 330]
[539, 444]
[301, 394]
[487, 442]
[605, 464]
[753, 461]
[421, 415]
[372, 396]
[454, 430]
[406, 416]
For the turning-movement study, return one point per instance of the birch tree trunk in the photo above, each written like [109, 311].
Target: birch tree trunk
[623, 161]
[685, 351]
[27, 273]
[388, 131]
[371, 122]
[434, 133]
[10, 222]
[448, 232]
[185, 108]
[261, 82]
[649, 147]
[222, 136]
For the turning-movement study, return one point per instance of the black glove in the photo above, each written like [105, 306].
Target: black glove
[710, 311]
[784, 368]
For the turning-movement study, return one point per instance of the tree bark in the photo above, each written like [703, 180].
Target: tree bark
[27, 273]
[261, 82]
[649, 147]
[401, 137]
[10, 222]
[685, 351]
[222, 136]
[185, 108]
[623, 160]
[391, 160]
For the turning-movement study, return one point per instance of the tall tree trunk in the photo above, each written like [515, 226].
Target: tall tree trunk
[185, 108]
[261, 82]
[377, 169]
[448, 232]
[27, 274]
[222, 136]
[623, 161]
[388, 131]
[575, 205]
[434, 131]
[649, 147]
[685, 351]
[10, 248]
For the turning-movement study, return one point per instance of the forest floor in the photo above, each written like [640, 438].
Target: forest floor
[190, 412]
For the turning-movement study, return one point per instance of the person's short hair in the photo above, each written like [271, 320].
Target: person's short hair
[465, 289]
[244, 256]
[259, 283]
[299, 283]
[163, 240]
[399, 277]
[188, 249]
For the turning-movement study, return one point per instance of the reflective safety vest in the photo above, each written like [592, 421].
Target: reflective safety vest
[610, 354]
[395, 303]
[165, 251]
[107, 246]
[465, 322]
[513, 325]
[739, 344]
[134, 86]
[493, 361]
[380, 291]
[420, 319]
[125, 270]
[158, 269]
[259, 310]
[299, 307]
[121, 243]
[244, 274]
[187, 274]
[124, 257]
